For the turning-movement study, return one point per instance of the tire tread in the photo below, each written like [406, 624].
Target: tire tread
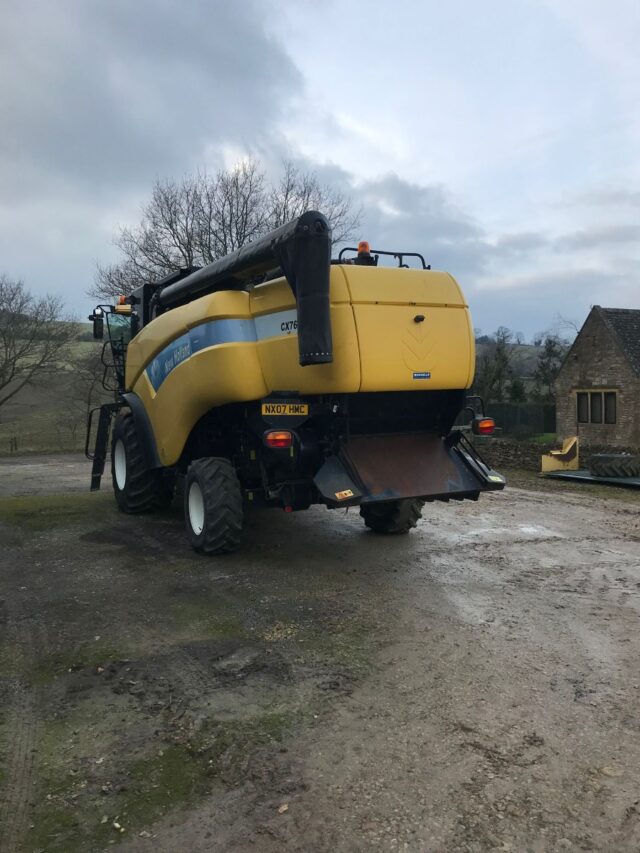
[615, 465]
[145, 488]
[222, 497]
[394, 517]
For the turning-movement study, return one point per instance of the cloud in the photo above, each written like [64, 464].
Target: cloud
[534, 300]
[607, 235]
[520, 279]
[547, 283]
[403, 216]
[510, 245]
[609, 198]
[100, 98]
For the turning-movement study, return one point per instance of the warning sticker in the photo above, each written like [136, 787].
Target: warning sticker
[342, 496]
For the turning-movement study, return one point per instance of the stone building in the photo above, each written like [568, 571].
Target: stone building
[598, 386]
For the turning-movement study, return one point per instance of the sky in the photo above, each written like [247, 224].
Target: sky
[500, 139]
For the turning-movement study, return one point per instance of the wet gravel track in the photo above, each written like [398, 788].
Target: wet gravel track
[473, 686]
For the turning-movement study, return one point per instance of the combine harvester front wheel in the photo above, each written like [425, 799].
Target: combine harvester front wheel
[137, 487]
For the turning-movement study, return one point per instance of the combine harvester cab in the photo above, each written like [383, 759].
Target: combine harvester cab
[278, 377]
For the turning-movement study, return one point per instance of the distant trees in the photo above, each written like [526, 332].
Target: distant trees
[550, 360]
[517, 391]
[494, 365]
[34, 335]
[202, 217]
[508, 369]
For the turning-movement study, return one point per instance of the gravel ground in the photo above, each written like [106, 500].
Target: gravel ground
[474, 686]
[43, 475]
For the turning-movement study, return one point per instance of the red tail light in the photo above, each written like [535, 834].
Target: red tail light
[483, 426]
[278, 438]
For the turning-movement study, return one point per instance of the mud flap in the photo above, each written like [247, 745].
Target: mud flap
[372, 468]
[336, 485]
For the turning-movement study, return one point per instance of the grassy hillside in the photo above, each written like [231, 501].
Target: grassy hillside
[49, 416]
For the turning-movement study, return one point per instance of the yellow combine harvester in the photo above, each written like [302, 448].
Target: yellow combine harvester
[276, 376]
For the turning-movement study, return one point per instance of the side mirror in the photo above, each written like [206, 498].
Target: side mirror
[98, 328]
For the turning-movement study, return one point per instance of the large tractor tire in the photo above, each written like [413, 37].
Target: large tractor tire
[392, 516]
[615, 465]
[137, 487]
[213, 506]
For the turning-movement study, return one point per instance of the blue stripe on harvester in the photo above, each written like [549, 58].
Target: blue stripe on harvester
[222, 332]
[203, 336]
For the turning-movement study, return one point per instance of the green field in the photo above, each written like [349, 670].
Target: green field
[49, 416]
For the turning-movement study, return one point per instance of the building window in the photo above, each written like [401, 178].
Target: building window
[583, 408]
[596, 407]
[610, 407]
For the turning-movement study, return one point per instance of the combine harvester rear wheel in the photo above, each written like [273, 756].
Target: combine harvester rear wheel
[213, 506]
[392, 517]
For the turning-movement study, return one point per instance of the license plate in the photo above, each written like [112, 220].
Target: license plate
[285, 409]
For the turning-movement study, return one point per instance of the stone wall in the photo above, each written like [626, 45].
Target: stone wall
[511, 453]
[597, 362]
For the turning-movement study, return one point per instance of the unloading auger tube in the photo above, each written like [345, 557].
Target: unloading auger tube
[302, 250]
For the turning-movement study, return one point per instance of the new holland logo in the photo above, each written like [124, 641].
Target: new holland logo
[416, 348]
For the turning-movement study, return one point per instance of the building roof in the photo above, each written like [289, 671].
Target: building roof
[625, 325]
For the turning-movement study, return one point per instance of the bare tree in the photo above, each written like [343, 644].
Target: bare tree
[200, 218]
[187, 223]
[86, 389]
[238, 204]
[494, 366]
[298, 191]
[82, 391]
[566, 326]
[34, 336]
